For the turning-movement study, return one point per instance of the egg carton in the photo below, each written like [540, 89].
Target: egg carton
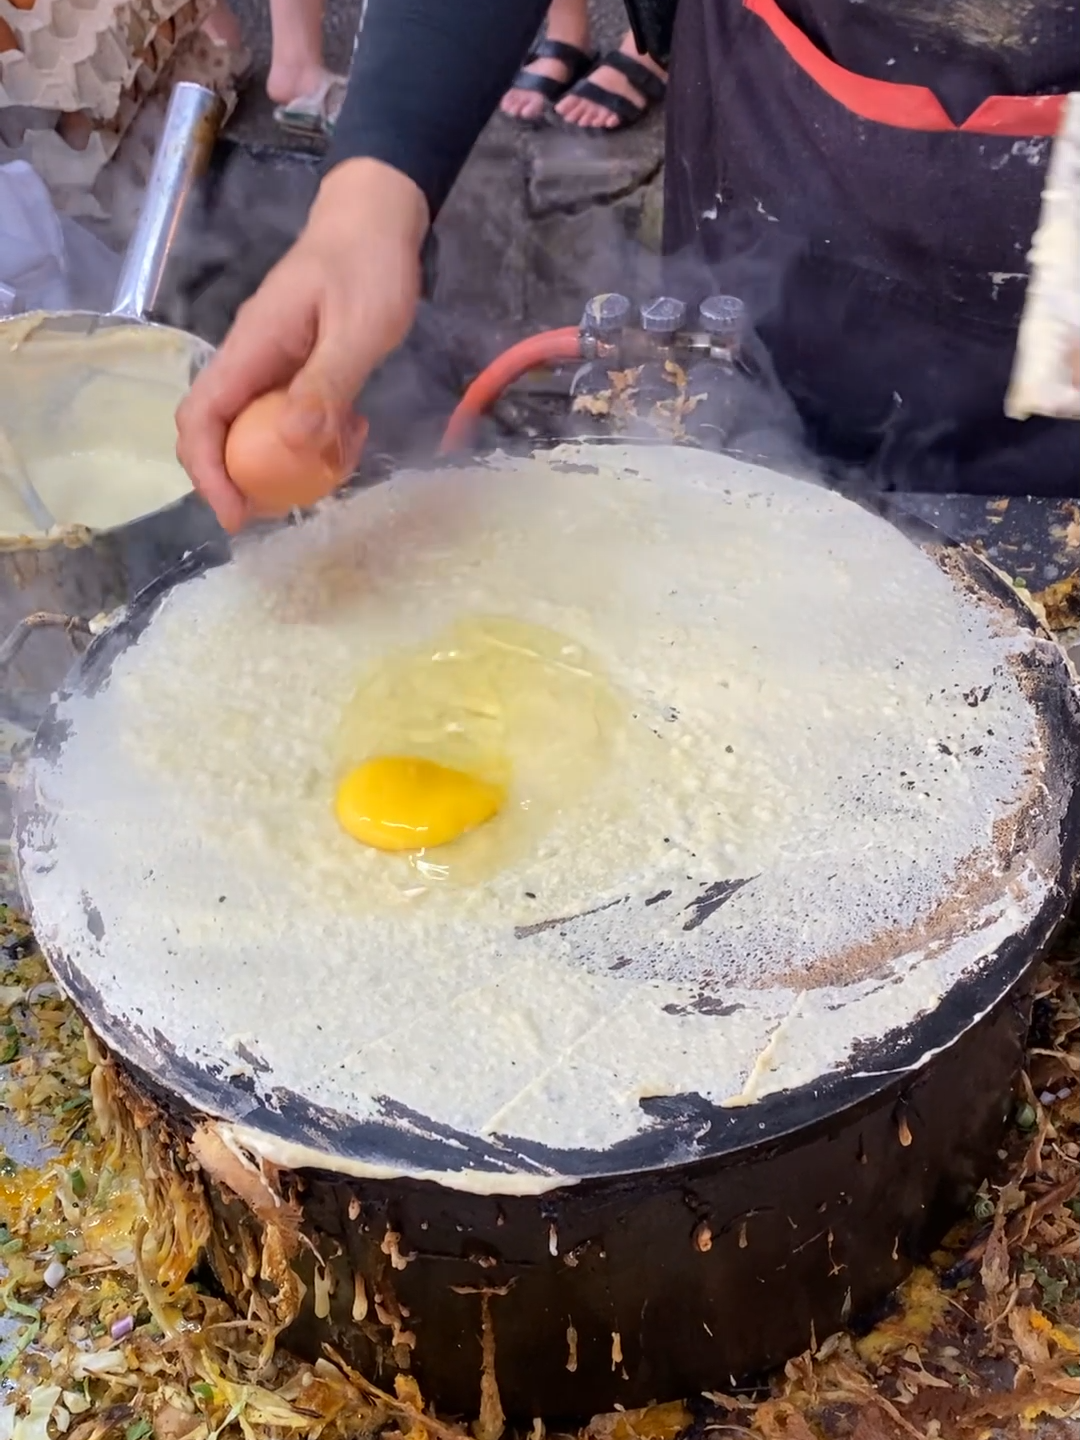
[70, 174]
[49, 32]
[71, 151]
[85, 55]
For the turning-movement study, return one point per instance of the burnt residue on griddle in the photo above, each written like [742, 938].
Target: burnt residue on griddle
[524, 932]
[710, 900]
[94, 923]
[690, 1112]
[703, 1005]
[257, 1063]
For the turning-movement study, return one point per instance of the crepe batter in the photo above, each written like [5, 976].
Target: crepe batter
[819, 740]
[91, 417]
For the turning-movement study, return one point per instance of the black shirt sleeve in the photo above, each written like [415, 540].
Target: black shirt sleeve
[426, 78]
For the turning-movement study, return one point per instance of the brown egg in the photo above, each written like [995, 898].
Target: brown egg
[8, 40]
[23, 4]
[276, 477]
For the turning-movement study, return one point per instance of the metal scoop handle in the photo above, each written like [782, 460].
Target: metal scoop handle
[192, 121]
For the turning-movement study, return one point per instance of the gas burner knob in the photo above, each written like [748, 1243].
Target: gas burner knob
[723, 318]
[663, 316]
[606, 315]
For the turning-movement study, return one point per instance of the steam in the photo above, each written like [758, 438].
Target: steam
[254, 204]
[249, 213]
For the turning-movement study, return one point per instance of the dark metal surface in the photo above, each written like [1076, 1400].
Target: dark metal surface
[1033, 539]
[710, 1247]
[681, 1127]
[699, 1277]
[705, 1273]
[84, 580]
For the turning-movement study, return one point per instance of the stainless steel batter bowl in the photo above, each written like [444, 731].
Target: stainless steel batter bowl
[52, 586]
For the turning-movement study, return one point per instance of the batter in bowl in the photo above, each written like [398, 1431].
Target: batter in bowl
[91, 417]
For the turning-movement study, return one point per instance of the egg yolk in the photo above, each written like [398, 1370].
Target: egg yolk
[400, 802]
[472, 745]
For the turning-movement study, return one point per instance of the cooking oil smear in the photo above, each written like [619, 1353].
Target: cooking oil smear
[506, 703]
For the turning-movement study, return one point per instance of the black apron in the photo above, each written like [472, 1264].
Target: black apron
[878, 236]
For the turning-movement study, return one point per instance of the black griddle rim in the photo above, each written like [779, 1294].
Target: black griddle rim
[684, 1128]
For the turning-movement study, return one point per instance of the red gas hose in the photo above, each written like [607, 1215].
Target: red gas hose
[550, 347]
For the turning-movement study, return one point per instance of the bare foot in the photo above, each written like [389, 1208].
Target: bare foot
[223, 28]
[570, 30]
[591, 116]
[285, 84]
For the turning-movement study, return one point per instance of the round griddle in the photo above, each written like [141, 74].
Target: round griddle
[398, 1138]
[714, 1242]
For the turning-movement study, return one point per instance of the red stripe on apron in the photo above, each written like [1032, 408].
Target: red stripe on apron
[907, 107]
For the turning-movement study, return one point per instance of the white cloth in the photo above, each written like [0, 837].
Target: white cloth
[47, 262]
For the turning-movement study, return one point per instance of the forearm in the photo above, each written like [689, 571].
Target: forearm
[426, 78]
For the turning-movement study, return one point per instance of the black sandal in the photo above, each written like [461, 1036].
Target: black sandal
[577, 62]
[650, 86]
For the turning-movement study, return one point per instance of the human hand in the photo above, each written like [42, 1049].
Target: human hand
[341, 299]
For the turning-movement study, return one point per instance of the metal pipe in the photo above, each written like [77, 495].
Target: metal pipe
[192, 122]
[39, 620]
